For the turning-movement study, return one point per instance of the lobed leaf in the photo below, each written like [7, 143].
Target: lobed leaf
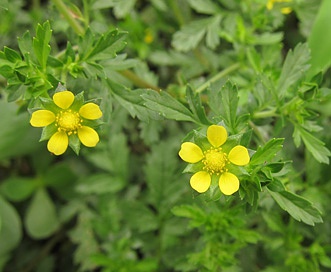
[267, 152]
[298, 207]
[40, 43]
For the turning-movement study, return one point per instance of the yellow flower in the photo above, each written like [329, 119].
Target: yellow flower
[215, 161]
[284, 10]
[66, 119]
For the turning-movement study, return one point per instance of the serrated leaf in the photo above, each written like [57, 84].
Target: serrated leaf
[212, 35]
[294, 68]
[41, 45]
[196, 107]
[315, 146]
[224, 103]
[190, 35]
[298, 207]
[267, 152]
[167, 106]
[41, 219]
[109, 43]
[133, 102]
[204, 6]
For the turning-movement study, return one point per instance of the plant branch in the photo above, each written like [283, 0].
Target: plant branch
[139, 82]
[218, 76]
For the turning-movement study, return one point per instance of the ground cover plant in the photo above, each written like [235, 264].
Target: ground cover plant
[176, 135]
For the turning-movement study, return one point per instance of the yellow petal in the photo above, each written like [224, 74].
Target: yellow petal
[228, 183]
[286, 10]
[270, 4]
[90, 111]
[239, 155]
[216, 135]
[200, 181]
[190, 152]
[42, 118]
[88, 136]
[64, 99]
[58, 143]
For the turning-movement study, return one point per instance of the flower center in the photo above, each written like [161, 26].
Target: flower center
[215, 161]
[68, 121]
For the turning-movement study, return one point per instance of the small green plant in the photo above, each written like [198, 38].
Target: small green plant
[198, 131]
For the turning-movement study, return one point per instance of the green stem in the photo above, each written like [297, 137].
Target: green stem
[265, 114]
[68, 16]
[257, 131]
[139, 82]
[218, 76]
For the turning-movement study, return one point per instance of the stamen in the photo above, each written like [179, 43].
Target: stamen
[68, 121]
[215, 161]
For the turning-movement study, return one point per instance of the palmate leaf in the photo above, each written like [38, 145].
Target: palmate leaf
[298, 207]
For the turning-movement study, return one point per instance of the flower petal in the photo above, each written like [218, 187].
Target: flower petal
[228, 183]
[42, 118]
[239, 155]
[58, 143]
[190, 152]
[88, 136]
[64, 99]
[216, 135]
[90, 111]
[200, 181]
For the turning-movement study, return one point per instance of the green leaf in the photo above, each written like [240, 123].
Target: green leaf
[12, 55]
[106, 46]
[41, 219]
[133, 102]
[15, 132]
[25, 43]
[224, 103]
[319, 39]
[267, 152]
[189, 36]
[315, 146]
[167, 106]
[41, 45]
[18, 188]
[298, 207]
[196, 107]
[10, 227]
[190, 211]
[294, 68]
[100, 184]
[204, 6]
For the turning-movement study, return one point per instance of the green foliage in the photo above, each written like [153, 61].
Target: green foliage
[162, 72]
